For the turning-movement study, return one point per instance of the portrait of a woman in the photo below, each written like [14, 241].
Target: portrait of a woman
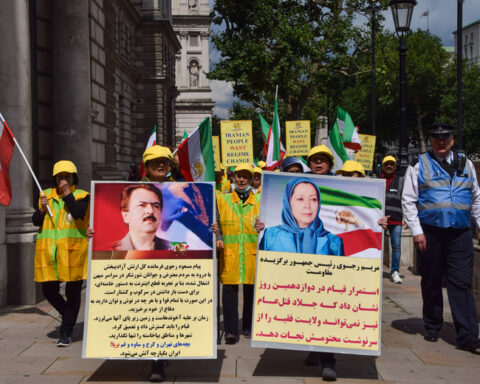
[302, 230]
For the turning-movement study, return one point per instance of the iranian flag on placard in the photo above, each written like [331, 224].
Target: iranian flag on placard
[275, 150]
[348, 131]
[6, 152]
[152, 140]
[354, 218]
[335, 144]
[196, 154]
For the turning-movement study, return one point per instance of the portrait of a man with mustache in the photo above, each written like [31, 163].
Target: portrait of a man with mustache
[141, 208]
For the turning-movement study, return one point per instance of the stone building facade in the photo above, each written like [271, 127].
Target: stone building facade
[82, 80]
[191, 22]
[470, 42]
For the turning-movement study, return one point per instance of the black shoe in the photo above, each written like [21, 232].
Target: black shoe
[158, 373]
[64, 341]
[473, 345]
[328, 372]
[247, 334]
[230, 339]
[313, 359]
[431, 335]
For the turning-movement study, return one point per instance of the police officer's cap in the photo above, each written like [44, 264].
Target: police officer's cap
[441, 130]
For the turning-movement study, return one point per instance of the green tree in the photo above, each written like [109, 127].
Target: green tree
[471, 107]
[294, 44]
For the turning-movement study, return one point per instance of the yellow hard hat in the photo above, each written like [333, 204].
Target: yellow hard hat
[156, 152]
[64, 166]
[257, 170]
[351, 166]
[389, 158]
[323, 149]
[244, 167]
[262, 164]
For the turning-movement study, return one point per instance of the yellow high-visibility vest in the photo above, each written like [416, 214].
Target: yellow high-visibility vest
[237, 221]
[61, 251]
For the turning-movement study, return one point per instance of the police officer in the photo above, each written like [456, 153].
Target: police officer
[440, 196]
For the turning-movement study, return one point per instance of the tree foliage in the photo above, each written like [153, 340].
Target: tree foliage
[294, 44]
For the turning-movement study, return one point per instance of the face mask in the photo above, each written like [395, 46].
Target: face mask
[243, 190]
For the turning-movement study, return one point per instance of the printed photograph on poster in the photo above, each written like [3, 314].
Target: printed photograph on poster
[152, 220]
[341, 217]
[319, 264]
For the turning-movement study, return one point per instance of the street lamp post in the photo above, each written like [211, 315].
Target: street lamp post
[402, 11]
[372, 8]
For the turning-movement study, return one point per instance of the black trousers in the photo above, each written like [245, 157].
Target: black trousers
[230, 308]
[449, 253]
[68, 308]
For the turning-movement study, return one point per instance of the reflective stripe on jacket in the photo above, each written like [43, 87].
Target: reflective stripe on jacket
[237, 221]
[443, 202]
[61, 250]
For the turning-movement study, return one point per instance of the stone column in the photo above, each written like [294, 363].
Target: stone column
[205, 55]
[184, 73]
[72, 86]
[17, 229]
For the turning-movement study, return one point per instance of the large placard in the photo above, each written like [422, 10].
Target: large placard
[237, 144]
[151, 289]
[365, 155]
[319, 264]
[297, 137]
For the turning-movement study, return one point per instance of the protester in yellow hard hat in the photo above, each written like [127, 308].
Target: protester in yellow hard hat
[158, 163]
[351, 168]
[62, 247]
[320, 160]
[237, 236]
[257, 180]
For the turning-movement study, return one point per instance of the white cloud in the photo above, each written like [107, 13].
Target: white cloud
[222, 94]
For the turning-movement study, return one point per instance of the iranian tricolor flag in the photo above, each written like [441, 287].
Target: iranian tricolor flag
[196, 154]
[335, 143]
[275, 150]
[6, 152]
[152, 140]
[348, 131]
[354, 218]
[265, 131]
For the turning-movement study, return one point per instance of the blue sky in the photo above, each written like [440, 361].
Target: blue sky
[442, 21]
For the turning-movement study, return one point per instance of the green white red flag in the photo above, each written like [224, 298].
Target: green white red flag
[348, 131]
[265, 131]
[354, 218]
[275, 150]
[335, 143]
[196, 154]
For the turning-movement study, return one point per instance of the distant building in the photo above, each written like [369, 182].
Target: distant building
[191, 22]
[470, 42]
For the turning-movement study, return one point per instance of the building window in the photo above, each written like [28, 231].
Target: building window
[194, 41]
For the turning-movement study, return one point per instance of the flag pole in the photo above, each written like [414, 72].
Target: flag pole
[26, 161]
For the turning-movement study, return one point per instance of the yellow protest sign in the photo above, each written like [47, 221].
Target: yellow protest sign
[237, 144]
[365, 155]
[297, 137]
[216, 152]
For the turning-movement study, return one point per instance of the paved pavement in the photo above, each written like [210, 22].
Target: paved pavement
[28, 353]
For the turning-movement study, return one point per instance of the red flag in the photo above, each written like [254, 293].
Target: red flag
[424, 14]
[6, 152]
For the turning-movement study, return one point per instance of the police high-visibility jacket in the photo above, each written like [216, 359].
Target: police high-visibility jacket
[62, 246]
[443, 201]
[237, 222]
